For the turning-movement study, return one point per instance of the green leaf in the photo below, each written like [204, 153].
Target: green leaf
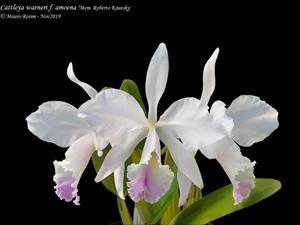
[124, 213]
[131, 88]
[220, 203]
[108, 182]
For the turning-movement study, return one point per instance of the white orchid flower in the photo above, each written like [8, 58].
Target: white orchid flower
[123, 122]
[247, 120]
[64, 125]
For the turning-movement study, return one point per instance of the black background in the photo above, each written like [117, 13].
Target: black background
[257, 56]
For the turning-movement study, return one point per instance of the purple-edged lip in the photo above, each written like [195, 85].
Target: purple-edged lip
[66, 184]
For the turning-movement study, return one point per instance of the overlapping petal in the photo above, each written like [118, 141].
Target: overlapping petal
[57, 122]
[149, 179]
[247, 120]
[254, 120]
[119, 180]
[152, 144]
[218, 112]
[119, 153]
[190, 121]
[69, 171]
[184, 160]
[184, 185]
[114, 113]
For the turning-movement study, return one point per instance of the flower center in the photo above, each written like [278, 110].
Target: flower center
[151, 125]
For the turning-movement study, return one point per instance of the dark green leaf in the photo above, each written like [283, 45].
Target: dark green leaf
[131, 88]
[220, 203]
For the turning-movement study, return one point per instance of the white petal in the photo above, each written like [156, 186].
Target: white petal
[209, 80]
[184, 187]
[238, 168]
[152, 144]
[183, 158]
[254, 120]
[119, 181]
[218, 111]
[118, 154]
[101, 142]
[88, 89]
[156, 80]
[137, 219]
[149, 181]
[58, 123]
[114, 113]
[191, 122]
[68, 172]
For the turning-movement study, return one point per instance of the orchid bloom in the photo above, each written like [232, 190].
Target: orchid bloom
[121, 120]
[64, 125]
[247, 120]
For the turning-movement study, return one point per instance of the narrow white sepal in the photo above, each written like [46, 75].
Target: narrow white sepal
[86, 87]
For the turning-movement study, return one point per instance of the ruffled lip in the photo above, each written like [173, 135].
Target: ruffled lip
[243, 183]
[149, 181]
[66, 182]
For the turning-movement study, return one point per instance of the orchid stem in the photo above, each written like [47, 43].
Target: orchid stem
[164, 150]
[124, 213]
